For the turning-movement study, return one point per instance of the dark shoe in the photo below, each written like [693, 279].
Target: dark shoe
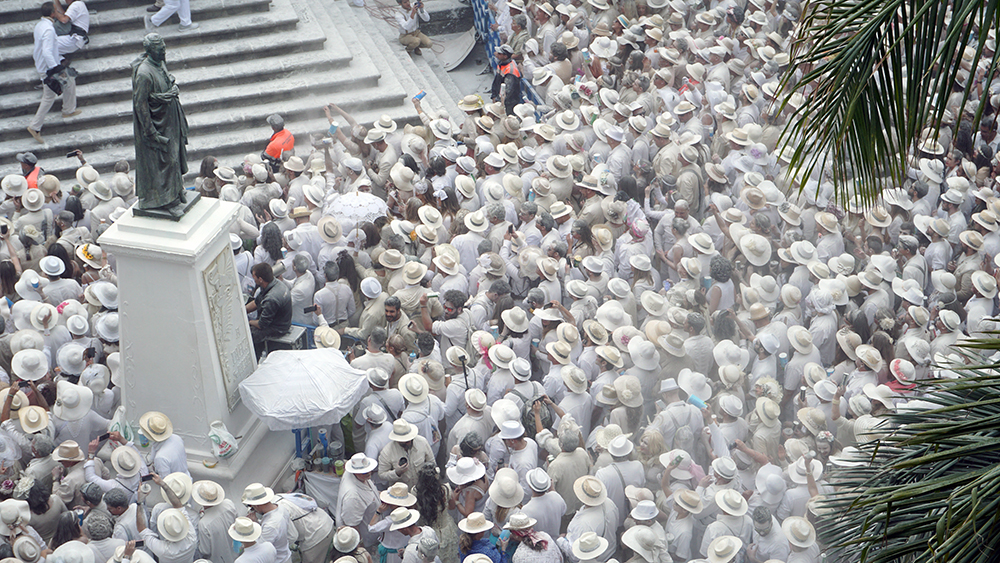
[416, 50]
[153, 9]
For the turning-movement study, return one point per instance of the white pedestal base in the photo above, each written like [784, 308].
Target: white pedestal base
[186, 342]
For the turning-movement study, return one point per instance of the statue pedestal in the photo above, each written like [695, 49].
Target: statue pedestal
[186, 342]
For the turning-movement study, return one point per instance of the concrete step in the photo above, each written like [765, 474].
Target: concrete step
[14, 11]
[17, 32]
[207, 100]
[118, 129]
[415, 71]
[192, 79]
[229, 56]
[281, 17]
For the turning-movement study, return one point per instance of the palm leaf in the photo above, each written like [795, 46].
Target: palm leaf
[871, 72]
[932, 490]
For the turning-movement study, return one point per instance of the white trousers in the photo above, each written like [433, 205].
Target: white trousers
[170, 7]
[48, 97]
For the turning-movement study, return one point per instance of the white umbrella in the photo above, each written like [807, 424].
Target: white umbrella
[356, 208]
[302, 388]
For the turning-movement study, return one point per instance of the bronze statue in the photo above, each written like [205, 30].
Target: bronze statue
[160, 131]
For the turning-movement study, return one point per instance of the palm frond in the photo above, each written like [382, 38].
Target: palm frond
[876, 74]
[931, 492]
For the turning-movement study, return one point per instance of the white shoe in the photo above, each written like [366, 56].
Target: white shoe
[183, 28]
[148, 20]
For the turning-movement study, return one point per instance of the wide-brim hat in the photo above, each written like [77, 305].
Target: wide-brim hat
[403, 431]
[126, 461]
[256, 494]
[799, 532]
[466, 470]
[346, 540]
[589, 546]
[330, 229]
[207, 493]
[505, 490]
[984, 283]
[75, 551]
[398, 494]
[32, 364]
[590, 490]
[724, 549]
[73, 402]
[686, 499]
[156, 426]
[475, 523]
[173, 525]
[694, 383]
[731, 502]
[33, 419]
[68, 451]
[180, 484]
[245, 530]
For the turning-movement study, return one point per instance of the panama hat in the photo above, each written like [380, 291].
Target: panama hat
[689, 500]
[180, 484]
[206, 493]
[403, 518]
[402, 431]
[392, 259]
[724, 549]
[125, 461]
[505, 490]
[799, 532]
[589, 546]
[413, 387]
[156, 426]
[256, 494]
[985, 284]
[360, 463]
[245, 530]
[515, 319]
[476, 221]
[590, 490]
[27, 550]
[14, 185]
[731, 502]
[33, 419]
[68, 451]
[398, 494]
[768, 411]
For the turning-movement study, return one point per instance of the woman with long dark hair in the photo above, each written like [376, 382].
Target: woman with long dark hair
[269, 249]
[432, 503]
[67, 530]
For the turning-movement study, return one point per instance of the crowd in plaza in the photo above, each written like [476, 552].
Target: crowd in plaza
[610, 326]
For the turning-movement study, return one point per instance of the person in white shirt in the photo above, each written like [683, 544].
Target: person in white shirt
[274, 521]
[409, 26]
[545, 506]
[167, 449]
[177, 540]
[247, 532]
[48, 64]
[218, 515]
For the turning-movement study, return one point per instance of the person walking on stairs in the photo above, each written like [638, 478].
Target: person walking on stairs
[55, 80]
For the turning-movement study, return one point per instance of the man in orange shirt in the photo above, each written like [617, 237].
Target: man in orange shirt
[281, 141]
[30, 168]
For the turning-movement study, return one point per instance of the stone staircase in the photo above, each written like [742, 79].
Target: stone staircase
[247, 60]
